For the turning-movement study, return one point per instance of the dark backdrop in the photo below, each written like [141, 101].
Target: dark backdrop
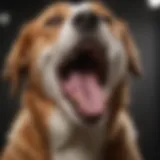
[145, 26]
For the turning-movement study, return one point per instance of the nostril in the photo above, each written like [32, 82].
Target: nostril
[86, 21]
[79, 19]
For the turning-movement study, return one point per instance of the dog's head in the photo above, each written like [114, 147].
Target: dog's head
[76, 54]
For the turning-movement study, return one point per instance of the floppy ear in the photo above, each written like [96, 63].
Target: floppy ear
[131, 50]
[17, 60]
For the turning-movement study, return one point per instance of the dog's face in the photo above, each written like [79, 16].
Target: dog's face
[76, 54]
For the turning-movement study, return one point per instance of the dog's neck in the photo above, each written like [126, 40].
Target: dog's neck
[64, 137]
[70, 141]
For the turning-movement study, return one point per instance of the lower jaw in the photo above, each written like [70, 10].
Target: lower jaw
[101, 121]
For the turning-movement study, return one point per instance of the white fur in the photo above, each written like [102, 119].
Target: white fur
[63, 123]
[131, 131]
[55, 53]
[17, 125]
[70, 141]
[74, 143]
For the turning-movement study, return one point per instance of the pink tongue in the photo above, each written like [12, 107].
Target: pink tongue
[86, 92]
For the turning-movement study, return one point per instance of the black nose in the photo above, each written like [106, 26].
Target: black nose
[86, 21]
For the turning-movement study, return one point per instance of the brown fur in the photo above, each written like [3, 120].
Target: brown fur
[30, 141]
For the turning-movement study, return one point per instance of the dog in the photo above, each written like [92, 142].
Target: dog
[72, 63]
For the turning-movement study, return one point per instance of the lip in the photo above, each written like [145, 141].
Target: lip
[87, 57]
[95, 51]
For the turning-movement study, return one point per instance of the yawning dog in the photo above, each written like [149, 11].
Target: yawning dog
[74, 61]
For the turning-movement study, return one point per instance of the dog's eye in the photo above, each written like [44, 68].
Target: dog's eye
[107, 19]
[56, 20]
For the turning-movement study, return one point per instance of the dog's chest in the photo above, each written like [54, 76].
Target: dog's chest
[71, 143]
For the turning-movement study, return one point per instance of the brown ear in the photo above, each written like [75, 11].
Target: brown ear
[131, 50]
[17, 59]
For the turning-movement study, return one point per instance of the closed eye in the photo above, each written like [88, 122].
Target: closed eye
[107, 19]
[54, 21]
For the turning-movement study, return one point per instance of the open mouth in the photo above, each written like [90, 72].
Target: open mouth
[83, 75]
